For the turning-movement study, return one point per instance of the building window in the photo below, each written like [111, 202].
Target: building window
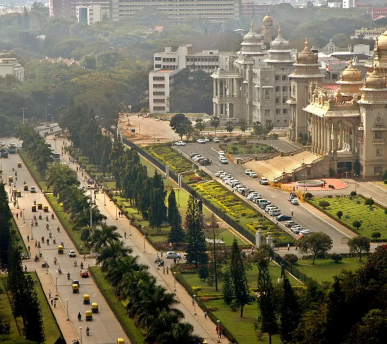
[159, 93]
[267, 94]
[284, 100]
[294, 90]
[158, 86]
[378, 169]
[276, 100]
[267, 112]
[277, 77]
[158, 78]
[162, 108]
[285, 111]
[284, 88]
[283, 77]
[158, 58]
[334, 76]
[159, 100]
[277, 88]
[157, 65]
[277, 111]
[379, 152]
[378, 134]
[278, 120]
[285, 120]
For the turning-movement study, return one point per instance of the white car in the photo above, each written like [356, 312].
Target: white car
[72, 253]
[253, 175]
[248, 172]
[180, 143]
[221, 153]
[217, 174]
[294, 201]
[216, 140]
[264, 181]
[224, 161]
[173, 255]
[206, 139]
[305, 232]
[201, 141]
[197, 157]
[33, 189]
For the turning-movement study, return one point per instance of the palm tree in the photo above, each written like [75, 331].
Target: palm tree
[179, 333]
[101, 238]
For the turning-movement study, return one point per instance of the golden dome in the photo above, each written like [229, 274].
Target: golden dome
[382, 41]
[306, 56]
[351, 73]
[268, 18]
[375, 80]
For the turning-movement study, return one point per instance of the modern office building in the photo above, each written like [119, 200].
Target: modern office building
[10, 66]
[89, 14]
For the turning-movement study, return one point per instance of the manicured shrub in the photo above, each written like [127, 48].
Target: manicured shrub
[243, 142]
[324, 204]
[385, 181]
[308, 195]
[376, 235]
[369, 201]
[339, 214]
[203, 272]
[356, 224]
[353, 193]
[291, 258]
[336, 257]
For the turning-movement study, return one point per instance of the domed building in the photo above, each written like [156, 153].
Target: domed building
[255, 85]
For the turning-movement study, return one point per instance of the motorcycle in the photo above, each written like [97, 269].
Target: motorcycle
[47, 226]
[36, 258]
[47, 218]
[79, 316]
[59, 271]
[75, 264]
[45, 265]
[158, 260]
[87, 331]
[58, 229]
[40, 216]
[50, 235]
[54, 241]
[161, 263]
[52, 216]
[68, 275]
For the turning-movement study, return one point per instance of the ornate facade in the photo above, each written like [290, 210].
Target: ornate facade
[255, 85]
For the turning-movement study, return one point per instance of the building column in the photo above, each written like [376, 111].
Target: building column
[339, 136]
[313, 133]
[335, 143]
[330, 139]
[214, 109]
[318, 135]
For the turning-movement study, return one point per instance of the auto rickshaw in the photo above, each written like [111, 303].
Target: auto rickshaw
[18, 193]
[33, 208]
[25, 187]
[60, 249]
[19, 164]
[40, 206]
[10, 180]
[120, 341]
[86, 299]
[94, 307]
[89, 315]
[45, 209]
[75, 288]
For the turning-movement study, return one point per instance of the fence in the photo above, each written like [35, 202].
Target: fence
[289, 267]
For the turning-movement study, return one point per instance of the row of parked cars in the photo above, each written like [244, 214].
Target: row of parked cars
[262, 203]
[200, 159]
[222, 157]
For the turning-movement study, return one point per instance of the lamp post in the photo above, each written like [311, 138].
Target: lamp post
[56, 286]
[194, 303]
[23, 113]
[218, 322]
[346, 175]
[144, 242]
[104, 197]
[67, 309]
[130, 228]
[80, 334]
[24, 216]
[116, 214]
[47, 263]
[174, 281]
[91, 209]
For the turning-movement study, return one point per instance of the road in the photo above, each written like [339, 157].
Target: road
[104, 328]
[301, 214]
[147, 255]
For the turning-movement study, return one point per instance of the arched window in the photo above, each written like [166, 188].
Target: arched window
[267, 94]
[284, 88]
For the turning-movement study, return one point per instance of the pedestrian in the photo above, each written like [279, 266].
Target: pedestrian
[167, 270]
[174, 260]
[28, 238]
[205, 315]
[54, 303]
[164, 270]
[193, 301]
[288, 247]
[36, 243]
[29, 248]
[125, 235]
[17, 216]
[84, 257]
[161, 253]
[292, 213]
[25, 268]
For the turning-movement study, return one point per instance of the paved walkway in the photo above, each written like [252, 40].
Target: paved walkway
[203, 326]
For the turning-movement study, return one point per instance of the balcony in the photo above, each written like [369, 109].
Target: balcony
[378, 141]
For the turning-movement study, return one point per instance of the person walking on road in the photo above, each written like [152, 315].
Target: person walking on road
[167, 270]
[49, 294]
[17, 216]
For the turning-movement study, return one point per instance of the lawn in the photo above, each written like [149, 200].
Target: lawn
[325, 269]
[117, 306]
[51, 329]
[373, 219]
[167, 155]
[250, 148]
[243, 329]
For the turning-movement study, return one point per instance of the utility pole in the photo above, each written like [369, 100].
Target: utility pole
[23, 113]
[91, 208]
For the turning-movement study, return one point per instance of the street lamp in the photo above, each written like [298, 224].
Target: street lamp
[56, 286]
[144, 242]
[174, 281]
[91, 209]
[104, 197]
[116, 214]
[194, 303]
[80, 334]
[23, 113]
[346, 175]
[67, 309]
[130, 228]
[24, 216]
[47, 263]
[218, 322]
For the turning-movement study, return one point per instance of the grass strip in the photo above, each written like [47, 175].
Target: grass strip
[133, 332]
[34, 172]
[20, 240]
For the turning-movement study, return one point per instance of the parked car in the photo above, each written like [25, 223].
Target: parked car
[72, 253]
[84, 273]
[248, 172]
[201, 141]
[194, 154]
[264, 181]
[218, 173]
[197, 157]
[297, 227]
[205, 162]
[173, 255]
[180, 143]
[283, 217]
[223, 161]
[253, 175]
[275, 212]
[216, 140]
[294, 201]
[221, 153]
[206, 139]
[306, 232]
[289, 224]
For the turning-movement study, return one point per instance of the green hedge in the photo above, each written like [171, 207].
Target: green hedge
[133, 332]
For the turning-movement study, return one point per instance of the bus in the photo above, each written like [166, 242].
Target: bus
[55, 156]
[12, 148]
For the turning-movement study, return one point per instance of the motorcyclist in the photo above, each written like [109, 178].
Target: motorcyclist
[87, 331]
[60, 270]
[52, 216]
[58, 229]
[46, 217]
[68, 275]
[79, 316]
[81, 265]
[75, 263]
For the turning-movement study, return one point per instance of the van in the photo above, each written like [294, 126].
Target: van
[270, 207]
[262, 201]
[275, 212]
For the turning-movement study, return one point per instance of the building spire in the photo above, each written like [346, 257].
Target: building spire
[279, 31]
[252, 25]
[350, 62]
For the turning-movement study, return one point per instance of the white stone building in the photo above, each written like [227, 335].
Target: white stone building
[9, 66]
[89, 14]
[255, 86]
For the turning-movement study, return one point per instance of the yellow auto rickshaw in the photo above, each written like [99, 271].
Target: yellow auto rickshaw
[33, 208]
[45, 209]
[18, 193]
[40, 206]
[10, 179]
[120, 341]
[89, 315]
[75, 288]
[25, 187]
[60, 249]
[94, 307]
[19, 164]
[86, 299]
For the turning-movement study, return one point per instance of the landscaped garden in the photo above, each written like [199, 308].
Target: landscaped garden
[240, 211]
[363, 219]
[167, 155]
[242, 147]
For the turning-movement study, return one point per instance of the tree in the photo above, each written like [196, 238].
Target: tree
[203, 272]
[371, 329]
[196, 246]
[359, 244]
[290, 313]
[243, 126]
[369, 201]
[228, 289]
[176, 235]
[230, 127]
[180, 124]
[172, 205]
[339, 214]
[234, 149]
[356, 224]
[315, 243]
[324, 204]
[200, 124]
[238, 277]
[266, 301]
[157, 209]
[5, 228]
[376, 235]
[103, 237]
[215, 122]
[291, 258]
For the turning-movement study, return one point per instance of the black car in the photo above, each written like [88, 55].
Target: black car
[283, 217]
